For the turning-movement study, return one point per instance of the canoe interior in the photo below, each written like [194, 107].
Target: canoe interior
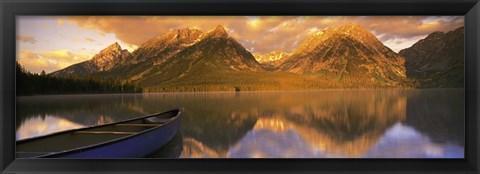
[90, 136]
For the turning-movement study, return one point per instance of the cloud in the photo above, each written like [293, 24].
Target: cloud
[86, 39]
[34, 63]
[130, 47]
[49, 61]
[397, 44]
[26, 38]
[270, 32]
[129, 29]
[89, 39]
[58, 55]
[137, 30]
[64, 57]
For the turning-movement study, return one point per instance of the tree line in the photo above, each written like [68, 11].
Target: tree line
[28, 83]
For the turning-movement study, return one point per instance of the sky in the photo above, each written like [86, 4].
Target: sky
[52, 43]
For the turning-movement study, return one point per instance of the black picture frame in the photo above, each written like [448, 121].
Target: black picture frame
[11, 8]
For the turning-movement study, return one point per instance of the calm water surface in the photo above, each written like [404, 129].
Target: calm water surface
[427, 123]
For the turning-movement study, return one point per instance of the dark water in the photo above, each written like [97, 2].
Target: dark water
[393, 123]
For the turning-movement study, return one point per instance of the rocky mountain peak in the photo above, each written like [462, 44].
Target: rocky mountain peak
[435, 34]
[165, 45]
[218, 31]
[335, 35]
[460, 29]
[185, 33]
[114, 47]
[437, 60]
[109, 57]
[355, 31]
[271, 56]
[349, 28]
[347, 54]
[441, 34]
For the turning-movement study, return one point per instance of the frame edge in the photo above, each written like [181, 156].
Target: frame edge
[6, 94]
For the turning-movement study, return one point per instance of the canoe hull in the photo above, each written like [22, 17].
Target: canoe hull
[134, 138]
[134, 147]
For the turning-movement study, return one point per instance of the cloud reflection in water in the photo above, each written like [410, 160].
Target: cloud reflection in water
[38, 126]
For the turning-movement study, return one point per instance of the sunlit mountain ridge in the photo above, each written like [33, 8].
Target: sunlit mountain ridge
[437, 60]
[191, 60]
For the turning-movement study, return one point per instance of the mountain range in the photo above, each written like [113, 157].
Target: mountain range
[108, 58]
[437, 60]
[348, 53]
[342, 57]
[272, 60]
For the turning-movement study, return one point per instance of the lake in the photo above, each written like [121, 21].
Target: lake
[386, 123]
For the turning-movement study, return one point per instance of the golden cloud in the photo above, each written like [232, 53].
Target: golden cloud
[49, 61]
[86, 39]
[26, 38]
[269, 32]
[89, 39]
[34, 63]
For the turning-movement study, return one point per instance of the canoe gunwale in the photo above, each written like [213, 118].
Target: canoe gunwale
[105, 143]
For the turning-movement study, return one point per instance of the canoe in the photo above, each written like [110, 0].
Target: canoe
[173, 149]
[134, 138]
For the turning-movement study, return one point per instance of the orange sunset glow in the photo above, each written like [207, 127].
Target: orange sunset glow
[53, 43]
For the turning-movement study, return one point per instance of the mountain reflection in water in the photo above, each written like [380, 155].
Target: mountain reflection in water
[427, 123]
